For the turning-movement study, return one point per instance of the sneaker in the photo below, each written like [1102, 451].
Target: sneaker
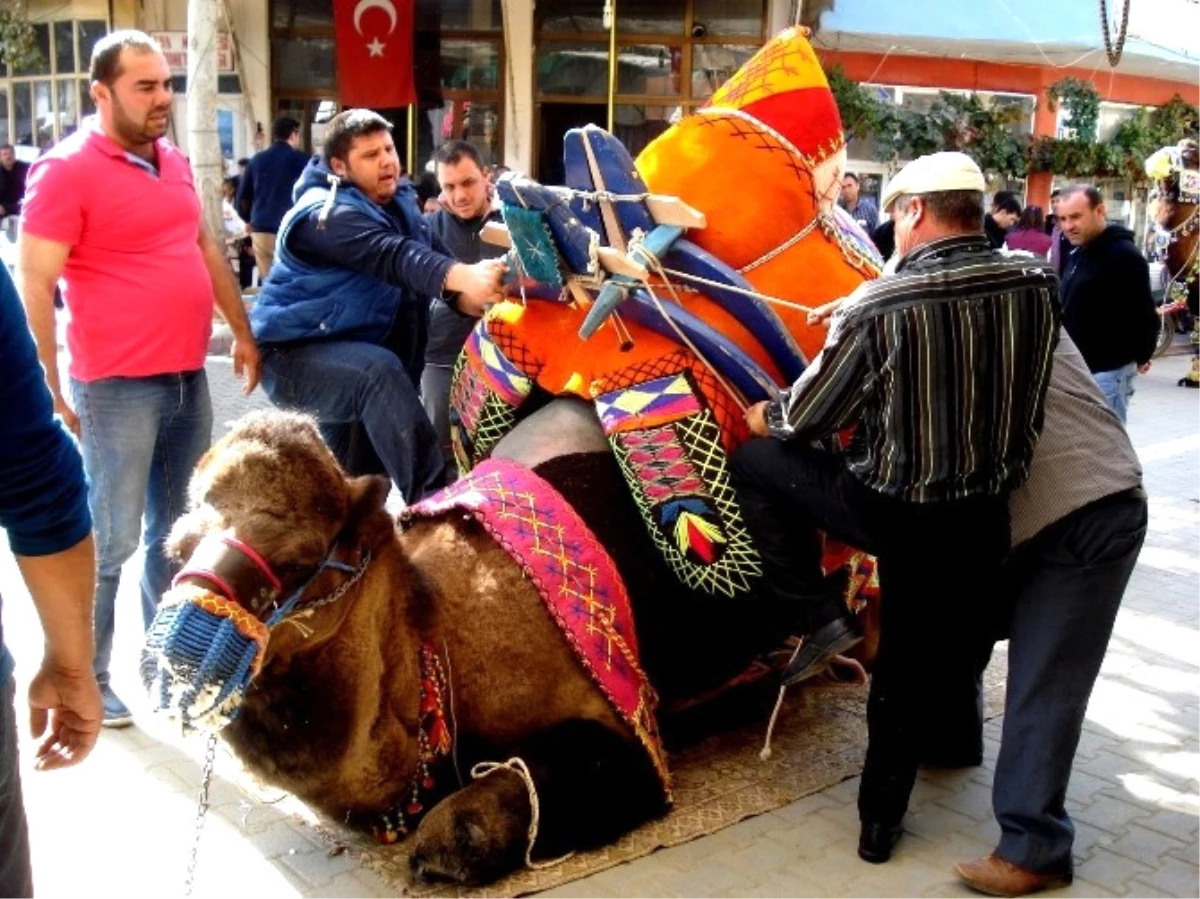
[116, 713]
[819, 647]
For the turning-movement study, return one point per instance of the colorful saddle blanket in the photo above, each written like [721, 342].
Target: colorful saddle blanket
[574, 575]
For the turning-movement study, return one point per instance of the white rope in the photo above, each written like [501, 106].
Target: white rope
[787, 244]
[758, 295]
[765, 753]
[517, 765]
[656, 266]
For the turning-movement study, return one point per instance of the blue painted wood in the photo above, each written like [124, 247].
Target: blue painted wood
[620, 177]
[570, 235]
[755, 315]
[579, 177]
[617, 287]
[734, 365]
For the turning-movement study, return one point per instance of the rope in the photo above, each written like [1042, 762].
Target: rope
[758, 295]
[518, 766]
[657, 268]
[790, 242]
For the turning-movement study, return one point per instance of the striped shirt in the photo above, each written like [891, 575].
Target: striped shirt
[943, 367]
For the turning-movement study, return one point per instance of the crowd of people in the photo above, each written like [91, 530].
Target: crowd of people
[988, 372]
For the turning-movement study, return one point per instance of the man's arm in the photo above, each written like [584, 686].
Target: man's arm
[65, 707]
[245, 193]
[354, 240]
[826, 397]
[40, 263]
[1144, 317]
[228, 300]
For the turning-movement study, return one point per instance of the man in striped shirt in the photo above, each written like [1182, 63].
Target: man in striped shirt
[942, 368]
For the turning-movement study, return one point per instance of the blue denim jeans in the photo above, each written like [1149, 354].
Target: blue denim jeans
[141, 438]
[16, 876]
[343, 383]
[1117, 387]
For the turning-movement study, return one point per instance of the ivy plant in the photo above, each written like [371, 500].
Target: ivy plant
[18, 45]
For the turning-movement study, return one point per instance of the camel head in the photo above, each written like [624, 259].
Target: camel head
[1176, 173]
[273, 529]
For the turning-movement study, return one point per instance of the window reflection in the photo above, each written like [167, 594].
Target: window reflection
[714, 64]
[649, 69]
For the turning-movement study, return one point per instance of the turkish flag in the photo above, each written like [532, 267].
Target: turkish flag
[375, 52]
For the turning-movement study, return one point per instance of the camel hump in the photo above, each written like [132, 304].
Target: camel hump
[563, 427]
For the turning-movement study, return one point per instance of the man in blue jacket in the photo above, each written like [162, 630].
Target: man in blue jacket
[343, 320]
[265, 190]
[44, 509]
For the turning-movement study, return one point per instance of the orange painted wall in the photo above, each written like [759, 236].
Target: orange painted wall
[965, 74]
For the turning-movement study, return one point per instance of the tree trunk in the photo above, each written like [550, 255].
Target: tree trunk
[204, 147]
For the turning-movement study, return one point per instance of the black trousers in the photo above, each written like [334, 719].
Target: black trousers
[939, 569]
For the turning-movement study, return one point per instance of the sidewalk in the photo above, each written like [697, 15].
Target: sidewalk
[123, 823]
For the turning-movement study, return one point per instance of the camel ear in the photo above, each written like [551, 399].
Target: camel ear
[368, 494]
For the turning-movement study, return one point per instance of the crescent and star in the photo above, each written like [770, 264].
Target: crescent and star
[376, 46]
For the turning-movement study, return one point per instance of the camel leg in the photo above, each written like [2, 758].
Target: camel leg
[593, 784]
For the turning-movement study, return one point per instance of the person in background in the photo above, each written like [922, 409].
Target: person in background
[265, 191]
[1005, 211]
[13, 173]
[1030, 234]
[862, 209]
[1107, 306]
[884, 237]
[457, 224]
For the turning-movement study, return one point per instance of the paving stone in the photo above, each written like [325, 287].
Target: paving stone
[1176, 877]
[352, 884]
[1109, 813]
[1144, 845]
[1114, 870]
[970, 799]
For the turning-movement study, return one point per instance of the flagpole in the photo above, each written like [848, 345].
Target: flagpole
[412, 140]
[610, 14]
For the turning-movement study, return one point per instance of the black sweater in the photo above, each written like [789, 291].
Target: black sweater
[1107, 307]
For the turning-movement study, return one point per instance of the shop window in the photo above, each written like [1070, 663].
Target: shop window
[291, 14]
[727, 18]
[651, 69]
[303, 62]
[470, 65]
[714, 64]
[471, 15]
[572, 69]
[41, 40]
[651, 17]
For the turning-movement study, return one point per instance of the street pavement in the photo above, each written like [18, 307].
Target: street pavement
[123, 823]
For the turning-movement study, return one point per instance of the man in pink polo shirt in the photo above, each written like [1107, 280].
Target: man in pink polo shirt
[113, 211]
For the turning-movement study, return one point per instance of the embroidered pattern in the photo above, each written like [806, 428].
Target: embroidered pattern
[573, 574]
[646, 405]
[485, 393]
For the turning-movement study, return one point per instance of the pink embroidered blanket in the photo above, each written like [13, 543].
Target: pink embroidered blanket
[574, 575]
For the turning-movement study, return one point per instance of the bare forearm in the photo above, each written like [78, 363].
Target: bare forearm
[226, 296]
[39, 309]
[62, 586]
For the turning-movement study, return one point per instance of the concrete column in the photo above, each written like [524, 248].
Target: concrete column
[1045, 122]
[519, 86]
[204, 146]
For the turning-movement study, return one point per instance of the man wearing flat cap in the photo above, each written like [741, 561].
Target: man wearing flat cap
[942, 368]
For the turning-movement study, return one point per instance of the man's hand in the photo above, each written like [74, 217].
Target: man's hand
[756, 420]
[247, 363]
[822, 314]
[1143, 368]
[65, 711]
[64, 411]
[478, 286]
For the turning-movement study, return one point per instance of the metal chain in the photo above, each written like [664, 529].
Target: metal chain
[1114, 56]
[343, 589]
[210, 757]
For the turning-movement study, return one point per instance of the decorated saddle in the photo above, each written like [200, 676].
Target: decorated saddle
[672, 292]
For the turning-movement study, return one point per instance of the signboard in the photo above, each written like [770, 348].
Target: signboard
[174, 47]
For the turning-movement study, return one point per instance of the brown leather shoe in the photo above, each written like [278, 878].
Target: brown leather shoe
[997, 877]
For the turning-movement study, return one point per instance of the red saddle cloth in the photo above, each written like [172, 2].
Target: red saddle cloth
[574, 575]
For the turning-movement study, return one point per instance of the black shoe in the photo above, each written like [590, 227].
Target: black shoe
[876, 841]
[819, 647]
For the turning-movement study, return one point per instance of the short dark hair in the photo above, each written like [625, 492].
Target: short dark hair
[244, 161]
[284, 127]
[1095, 198]
[6, 147]
[1032, 217]
[851, 175]
[106, 55]
[960, 209]
[344, 127]
[1006, 201]
[453, 151]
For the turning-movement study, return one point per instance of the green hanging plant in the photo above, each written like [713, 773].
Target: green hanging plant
[18, 42]
[1081, 101]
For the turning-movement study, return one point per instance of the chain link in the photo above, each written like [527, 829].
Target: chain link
[1114, 56]
[210, 757]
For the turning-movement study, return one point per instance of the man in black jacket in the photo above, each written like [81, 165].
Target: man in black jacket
[12, 181]
[466, 206]
[265, 191]
[1005, 211]
[1106, 301]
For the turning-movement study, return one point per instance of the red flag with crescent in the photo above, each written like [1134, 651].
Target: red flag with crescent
[375, 52]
